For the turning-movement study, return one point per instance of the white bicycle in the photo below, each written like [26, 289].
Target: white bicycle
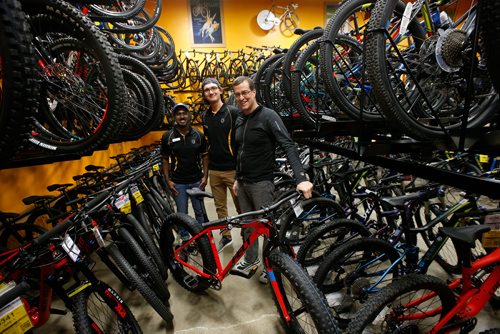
[270, 18]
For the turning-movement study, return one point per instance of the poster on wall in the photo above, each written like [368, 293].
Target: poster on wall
[206, 23]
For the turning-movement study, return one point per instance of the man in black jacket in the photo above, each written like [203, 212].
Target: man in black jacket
[218, 127]
[258, 130]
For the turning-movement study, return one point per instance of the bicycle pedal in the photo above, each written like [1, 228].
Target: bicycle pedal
[190, 281]
[246, 275]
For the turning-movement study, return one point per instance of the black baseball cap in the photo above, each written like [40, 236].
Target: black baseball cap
[180, 106]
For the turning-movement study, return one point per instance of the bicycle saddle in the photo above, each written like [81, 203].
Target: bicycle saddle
[36, 199]
[199, 194]
[467, 234]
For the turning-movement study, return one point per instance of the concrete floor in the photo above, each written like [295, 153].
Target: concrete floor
[241, 306]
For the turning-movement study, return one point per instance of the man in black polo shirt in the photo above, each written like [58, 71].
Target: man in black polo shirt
[185, 161]
[218, 127]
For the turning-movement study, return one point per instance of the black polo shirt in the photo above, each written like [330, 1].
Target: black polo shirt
[219, 130]
[185, 154]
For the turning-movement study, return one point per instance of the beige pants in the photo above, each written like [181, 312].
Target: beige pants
[220, 181]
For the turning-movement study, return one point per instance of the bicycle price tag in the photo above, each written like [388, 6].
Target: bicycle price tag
[483, 158]
[491, 239]
[156, 167]
[297, 207]
[122, 203]
[14, 318]
[98, 236]
[70, 248]
[136, 194]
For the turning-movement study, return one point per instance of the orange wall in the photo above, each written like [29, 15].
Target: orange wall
[240, 29]
[239, 22]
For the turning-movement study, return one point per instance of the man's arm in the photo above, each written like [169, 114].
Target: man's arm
[166, 171]
[283, 139]
[204, 178]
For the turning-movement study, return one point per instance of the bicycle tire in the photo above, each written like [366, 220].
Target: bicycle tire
[293, 53]
[274, 96]
[260, 76]
[144, 71]
[142, 262]
[344, 276]
[200, 254]
[138, 283]
[380, 302]
[290, 279]
[122, 12]
[146, 240]
[490, 30]
[422, 101]
[326, 238]
[26, 232]
[16, 76]
[96, 307]
[291, 21]
[60, 17]
[293, 230]
[308, 94]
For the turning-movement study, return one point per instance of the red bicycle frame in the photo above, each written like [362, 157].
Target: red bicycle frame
[260, 228]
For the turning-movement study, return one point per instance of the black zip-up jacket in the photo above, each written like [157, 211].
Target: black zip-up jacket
[256, 137]
[219, 131]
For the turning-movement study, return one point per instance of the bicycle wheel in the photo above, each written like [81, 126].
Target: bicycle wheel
[292, 55]
[99, 308]
[197, 254]
[160, 306]
[420, 82]
[142, 263]
[303, 302]
[83, 87]
[316, 211]
[260, 76]
[490, 30]
[17, 78]
[16, 235]
[353, 271]
[390, 310]
[291, 21]
[324, 239]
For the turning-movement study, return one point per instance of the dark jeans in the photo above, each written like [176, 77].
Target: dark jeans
[254, 196]
[181, 201]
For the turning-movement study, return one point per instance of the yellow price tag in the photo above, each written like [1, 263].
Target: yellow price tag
[156, 167]
[483, 158]
[13, 317]
[138, 197]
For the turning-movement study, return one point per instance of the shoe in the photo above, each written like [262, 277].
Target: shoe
[223, 243]
[263, 277]
[245, 269]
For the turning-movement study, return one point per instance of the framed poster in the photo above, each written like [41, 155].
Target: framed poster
[330, 8]
[206, 23]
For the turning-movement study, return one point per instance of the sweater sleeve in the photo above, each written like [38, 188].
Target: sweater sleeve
[280, 133]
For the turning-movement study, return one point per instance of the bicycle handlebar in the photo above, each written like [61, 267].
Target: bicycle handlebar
[265, 210]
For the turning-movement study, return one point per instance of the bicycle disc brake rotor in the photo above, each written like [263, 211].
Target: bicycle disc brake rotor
[449, 48]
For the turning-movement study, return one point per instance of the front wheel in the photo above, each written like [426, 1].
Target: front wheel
[98, 309]
[304, 303]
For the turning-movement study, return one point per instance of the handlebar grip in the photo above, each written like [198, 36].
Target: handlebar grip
[13, 293]
[58, 229]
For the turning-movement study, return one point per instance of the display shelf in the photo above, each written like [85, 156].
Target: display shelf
[469, 183]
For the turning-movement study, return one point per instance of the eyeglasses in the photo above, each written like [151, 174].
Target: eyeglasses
[210, 89]
[245, 93]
